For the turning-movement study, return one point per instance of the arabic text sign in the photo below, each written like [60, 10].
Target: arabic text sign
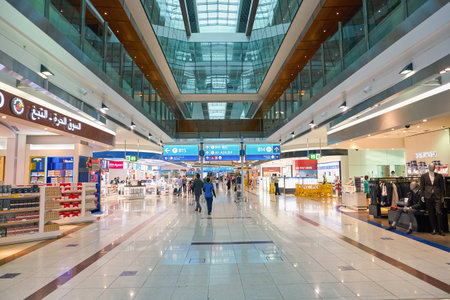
[222, 152]
[180, 153]
[262, 151]
[22, 108]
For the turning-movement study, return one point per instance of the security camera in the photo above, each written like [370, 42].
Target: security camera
[407, 126]
[367, 89]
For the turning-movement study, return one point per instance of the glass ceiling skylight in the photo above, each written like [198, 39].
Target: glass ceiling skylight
[217, 15]
[201, 66]
[217, 110]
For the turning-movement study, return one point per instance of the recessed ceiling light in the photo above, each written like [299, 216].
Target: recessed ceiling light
[368, 135]
[106, 13]
[3, 117]
[418, 126]
[424, 120]
[45, 128]
[392, 129]
[404, 131]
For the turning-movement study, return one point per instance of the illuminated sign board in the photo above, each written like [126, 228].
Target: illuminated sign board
[262, 151]
[222, 152]
[180, 153]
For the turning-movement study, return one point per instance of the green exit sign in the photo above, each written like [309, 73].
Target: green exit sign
[131, 157]
[314, 156]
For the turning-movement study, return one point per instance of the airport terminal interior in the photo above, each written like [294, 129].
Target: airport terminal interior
[224, 149]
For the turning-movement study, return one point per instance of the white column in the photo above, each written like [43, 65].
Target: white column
[16, 160]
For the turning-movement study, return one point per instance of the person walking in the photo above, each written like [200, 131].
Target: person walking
[208, 188]
[275, 183]
[197, 187]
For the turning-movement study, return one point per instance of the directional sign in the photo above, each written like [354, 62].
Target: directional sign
[314, 155]
[131, 158]
[222, 152]
[180, 153]
[262, 151]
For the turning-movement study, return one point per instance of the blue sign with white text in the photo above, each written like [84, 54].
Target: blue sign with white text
[180, 153]
[262, 151]
[222, 152]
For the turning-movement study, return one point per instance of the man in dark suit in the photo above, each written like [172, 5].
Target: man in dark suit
[433, 191]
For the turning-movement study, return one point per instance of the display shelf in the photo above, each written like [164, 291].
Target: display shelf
[67, 209]
[21, 196]
[19, 222]
[11, 211]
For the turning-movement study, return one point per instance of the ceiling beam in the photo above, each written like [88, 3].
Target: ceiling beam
[251, 18]
[184, 12]
[123, 28]
[324, 25]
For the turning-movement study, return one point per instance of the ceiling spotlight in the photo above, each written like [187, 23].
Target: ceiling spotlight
[149, 135]
[133, 125]
[279, 140]
[343, 106]
[406, 70]
[46, 71]
[104, 108]
[293, 133]
[312, 124]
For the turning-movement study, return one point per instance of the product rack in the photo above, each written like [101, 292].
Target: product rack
[76, 202]
[23, 216]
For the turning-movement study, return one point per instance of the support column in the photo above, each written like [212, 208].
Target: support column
[242, 171]
[16, 160]
[201, 161]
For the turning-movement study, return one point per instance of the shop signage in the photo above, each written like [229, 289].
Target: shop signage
[115, 164]
[21, 108]
[180, 153]
[262, 151]
[222, 152]
[132, 158]
[428, 154]
[267, 172]
[304, 164]
[314, 155]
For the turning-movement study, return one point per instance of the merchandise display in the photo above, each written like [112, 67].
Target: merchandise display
[37, 170]
[386, 192]
[24, 214]
[59, 169]
[415, 168]
[75, 202]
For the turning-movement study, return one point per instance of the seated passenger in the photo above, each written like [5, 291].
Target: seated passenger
[413, 205]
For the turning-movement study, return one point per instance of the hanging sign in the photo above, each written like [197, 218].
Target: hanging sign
[262, 151]
[21, 108]
[222, 152]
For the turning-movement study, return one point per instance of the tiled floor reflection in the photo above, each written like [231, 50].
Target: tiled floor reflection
[259, 249]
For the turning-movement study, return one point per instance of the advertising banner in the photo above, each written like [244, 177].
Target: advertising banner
[306, 168]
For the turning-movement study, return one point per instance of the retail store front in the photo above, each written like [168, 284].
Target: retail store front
[45, 186]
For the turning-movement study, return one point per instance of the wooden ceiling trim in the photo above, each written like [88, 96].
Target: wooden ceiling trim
[323, 26]
[113, 12]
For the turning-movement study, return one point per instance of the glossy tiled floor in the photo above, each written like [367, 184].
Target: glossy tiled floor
[264, 248]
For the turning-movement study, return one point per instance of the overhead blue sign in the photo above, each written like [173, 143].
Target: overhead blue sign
[222, 152]
[262, 151]
[218, 169]
[180, 153]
